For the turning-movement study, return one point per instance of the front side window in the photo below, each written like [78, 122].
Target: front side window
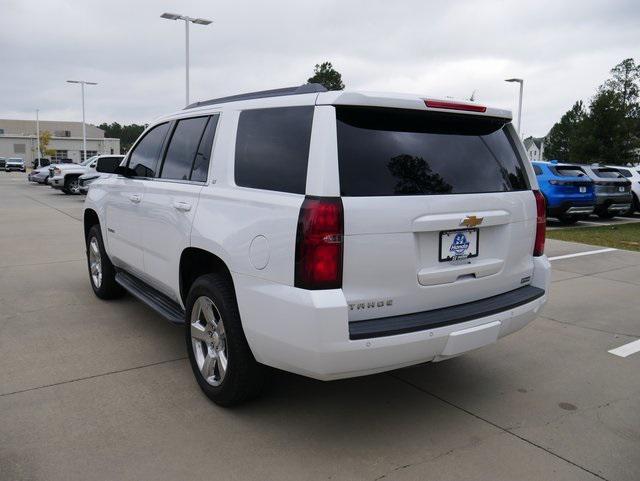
[272, 148]
[625, 172]
[144, 157]
[183, 148]
[537, 170]
[392, 152]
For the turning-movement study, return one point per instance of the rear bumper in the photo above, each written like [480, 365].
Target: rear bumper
[307, 332]
[572, 208]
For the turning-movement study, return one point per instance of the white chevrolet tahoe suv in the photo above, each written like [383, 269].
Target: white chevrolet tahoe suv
[330, 234]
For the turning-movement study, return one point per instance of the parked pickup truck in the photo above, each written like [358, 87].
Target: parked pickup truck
[330, 234]
[66, 177]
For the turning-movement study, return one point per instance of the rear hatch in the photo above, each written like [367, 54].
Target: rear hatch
[610, 181]
[438, 210]
[572, 181]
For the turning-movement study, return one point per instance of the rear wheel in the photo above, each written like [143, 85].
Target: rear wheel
[220, 357]
[568, 219]
[71, 185]
[102, 274]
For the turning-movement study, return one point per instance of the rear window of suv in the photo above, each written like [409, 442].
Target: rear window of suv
[570, 171]
[391, 152]
[608, 173]
[272, 148]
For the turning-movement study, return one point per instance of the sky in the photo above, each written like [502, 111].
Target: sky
[563, 49]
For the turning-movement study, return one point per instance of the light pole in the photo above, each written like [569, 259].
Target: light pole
[187, 20]
[84, 128]
[521, 82]
[38, 133]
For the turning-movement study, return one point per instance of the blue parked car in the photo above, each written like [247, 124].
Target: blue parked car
[568, 190]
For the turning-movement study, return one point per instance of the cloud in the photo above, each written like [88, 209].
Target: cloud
[563, 50]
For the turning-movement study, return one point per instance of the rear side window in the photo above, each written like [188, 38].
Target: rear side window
[201, 162]
[537, 169]
[608, 173]
[183, 148]
[144, 158]
[389, 152]
[272, 148]
[570, 171]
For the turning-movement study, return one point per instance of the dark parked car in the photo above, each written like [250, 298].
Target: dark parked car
[613, 190]
[37, 163]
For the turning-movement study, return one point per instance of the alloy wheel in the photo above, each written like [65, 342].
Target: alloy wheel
[209, 341]
[95, 263]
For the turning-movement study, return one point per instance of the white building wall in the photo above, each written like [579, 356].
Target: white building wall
[73, 145]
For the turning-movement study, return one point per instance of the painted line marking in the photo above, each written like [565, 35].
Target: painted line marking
[626, 349]
[580, 254]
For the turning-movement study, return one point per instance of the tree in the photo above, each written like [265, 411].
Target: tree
[45, 138]
[326, 75]
[624, 80]
[606, 134]
[609, 130]
[127, 134]
[565, 136]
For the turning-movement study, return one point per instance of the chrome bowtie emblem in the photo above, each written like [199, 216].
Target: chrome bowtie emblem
[471, 221]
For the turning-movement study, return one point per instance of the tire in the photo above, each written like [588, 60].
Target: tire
[606, 215]
[71, 185]
[568, 219]
[98, 263]
[211, 338]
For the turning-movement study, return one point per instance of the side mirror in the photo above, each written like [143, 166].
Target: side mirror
[124, 171]
[107, 165]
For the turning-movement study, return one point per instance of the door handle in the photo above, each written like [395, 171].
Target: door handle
[183, 206]
[135, 198]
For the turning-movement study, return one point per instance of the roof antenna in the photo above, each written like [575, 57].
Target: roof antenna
[473, 95]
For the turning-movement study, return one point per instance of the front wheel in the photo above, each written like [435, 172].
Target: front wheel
[102, 274]
[220, 357]
[71, 185]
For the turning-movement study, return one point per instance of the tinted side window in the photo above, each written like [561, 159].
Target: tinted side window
[201, 162]
[182, 148]
[410, 152]
[537, 170]
[272, 148]
[144, 158]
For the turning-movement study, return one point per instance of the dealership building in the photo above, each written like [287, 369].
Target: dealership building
[18, 139]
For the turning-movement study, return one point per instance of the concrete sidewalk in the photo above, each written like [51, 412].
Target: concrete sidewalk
[93, 390]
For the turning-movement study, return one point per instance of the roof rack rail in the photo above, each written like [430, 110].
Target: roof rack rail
[301, 89]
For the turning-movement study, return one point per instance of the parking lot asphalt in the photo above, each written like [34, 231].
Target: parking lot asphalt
[94, 390]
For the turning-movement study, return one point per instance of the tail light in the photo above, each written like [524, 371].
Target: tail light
[319, 244]
[541, 223]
